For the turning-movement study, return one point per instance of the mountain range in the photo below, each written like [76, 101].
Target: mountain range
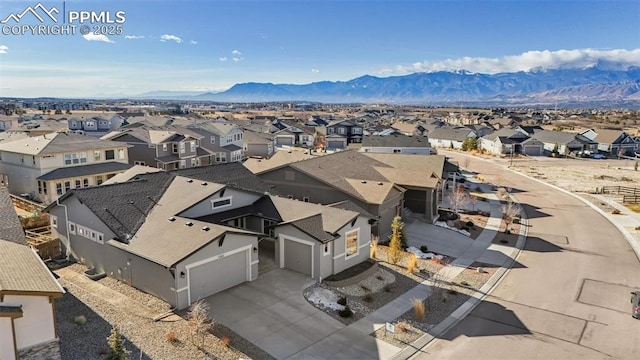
[601, 82]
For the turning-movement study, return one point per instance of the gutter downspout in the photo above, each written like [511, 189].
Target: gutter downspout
[66, 221]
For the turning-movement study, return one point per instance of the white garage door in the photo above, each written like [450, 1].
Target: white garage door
[284, 141]
[216, 275]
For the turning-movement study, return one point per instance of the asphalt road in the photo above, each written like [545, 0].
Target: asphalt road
[567, 296]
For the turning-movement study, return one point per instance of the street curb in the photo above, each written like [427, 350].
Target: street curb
[463, 310]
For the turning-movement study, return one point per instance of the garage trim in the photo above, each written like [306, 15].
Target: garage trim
[283, 238]
[214, 258]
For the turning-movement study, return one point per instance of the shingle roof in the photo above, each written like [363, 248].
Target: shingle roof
[131, 173]
[57, 143]
[557, 137]
[84, 170]
[506, 133]
[395, 140]
[606, 136]
[279, 158]
[10, 227]
[217, 128]
[351, 206]
[449, 133]
[21, 269]
[233, 174]
[312, 225]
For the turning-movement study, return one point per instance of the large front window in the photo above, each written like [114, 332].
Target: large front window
[75, 158]
[109, 155]
[351, 243]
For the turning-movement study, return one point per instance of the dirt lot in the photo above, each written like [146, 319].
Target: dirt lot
[581, 175]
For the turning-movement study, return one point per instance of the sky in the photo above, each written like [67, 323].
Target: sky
[185, 45]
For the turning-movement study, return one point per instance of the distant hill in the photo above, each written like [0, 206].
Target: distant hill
[601, 82]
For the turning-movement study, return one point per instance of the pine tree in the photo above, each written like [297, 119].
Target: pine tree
[117, 350]
[395, 245]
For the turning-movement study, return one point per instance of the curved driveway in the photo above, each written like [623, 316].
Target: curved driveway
[571, 297]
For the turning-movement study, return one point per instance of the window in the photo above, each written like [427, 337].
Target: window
[54, 220]
[99, 180]
[109, 155]
[220, 203]
[67, 186]
[305, 199]
[183, 164]
[164, 147]
[175, 148]
[85, 182]
[182, 148]
[356, 130]
[39, 187]
[96, 155]
[351, 243]
[221, 157]
[193, 146]
[326, 250]
[44, 187]
[75, 158]
[330, 131]
[213, 139]
[78, 184]
[229, 139]
[194, 162]
[109, 176]
[139, 163]
[59, 188]
[397, 151]
[121, 155]
[33, 160]
[72, 228]
[341, 131]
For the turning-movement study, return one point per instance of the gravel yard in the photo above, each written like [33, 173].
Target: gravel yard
[145, 338]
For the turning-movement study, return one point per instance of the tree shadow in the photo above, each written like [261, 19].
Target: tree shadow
[89, 340]
[487, 319]
[533, 212]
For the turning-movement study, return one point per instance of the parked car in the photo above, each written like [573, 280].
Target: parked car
[598, 156]
[635, 304]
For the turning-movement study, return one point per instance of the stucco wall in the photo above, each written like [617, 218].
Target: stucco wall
[6, 339]
[37, 322]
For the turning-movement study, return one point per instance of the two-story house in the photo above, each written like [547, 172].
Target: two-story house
[613, 142]
[223, 140]
[341, 133]
[95, 126]
[45, 167]
[182, 237]
[396, 144]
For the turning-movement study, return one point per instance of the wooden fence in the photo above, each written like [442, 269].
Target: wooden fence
[626, 194]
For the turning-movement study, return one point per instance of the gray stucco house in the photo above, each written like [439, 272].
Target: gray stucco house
[182, 236]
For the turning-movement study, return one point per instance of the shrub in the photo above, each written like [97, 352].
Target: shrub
[346, 312]
[225, 341]
[452, 292]
[504, 241]
[615, 212]
[373, 252]
[342, 301]
[387, 288]
[507, 231]
[413, 263]
[80, 320]
[470, 224]
[171, 337]
[365, 288]
[464, 283]
[368, 297]
[402, 326]
[424, 248]
[380, 277]
[444, 299]
[418, 308]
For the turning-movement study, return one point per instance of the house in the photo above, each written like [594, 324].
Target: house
[258, 144]
[96, 126]
[396, 144]
[27, 293]
[45, 167]
[350, 131]
[381, 184]
[511, 141]
[279, 158]
[562, 142]
[450, 137]
[223, 140]
[295, 136]
[181, 237]
[613, 142]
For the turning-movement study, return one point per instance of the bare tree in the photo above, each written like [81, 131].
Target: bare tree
[511, 210]
[438, 283]
[458, 198]
[465, 162]
[199, 322]
[473, 200]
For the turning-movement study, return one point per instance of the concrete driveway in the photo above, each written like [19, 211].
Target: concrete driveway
[438, 239]
[272, 313]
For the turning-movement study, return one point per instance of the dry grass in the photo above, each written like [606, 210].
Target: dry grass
[418, 308]
[413, 263]
[402, 326]
[633, 207]
[171, 337]
[373, 251]
[225, 341]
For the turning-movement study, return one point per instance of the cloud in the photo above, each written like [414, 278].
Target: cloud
[168, 37]
[134, 37]
[530, 60]
[222, 58]
[315, 71]
[94, 37]
[237, 59]
[4, 49]
[236, 53]
[193, 42]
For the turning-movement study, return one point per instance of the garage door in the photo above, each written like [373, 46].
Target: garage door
[532, 150]
[284, 141]
[416, 201]
[217, 275]
[297, 256]
[335, 144]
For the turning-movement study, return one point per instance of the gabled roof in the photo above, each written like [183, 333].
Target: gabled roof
[395, 140]
[22, 270]
[131, 173]
[607, 136]
[232, 174]
[506, 133]
[216, 128]
[84, 170]
[252, 137]
[554, 137]
[312, 226]
[10, 227]
[279, 159]
[449, 133]
[56, 143]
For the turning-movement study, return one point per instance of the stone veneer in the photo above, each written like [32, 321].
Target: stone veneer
[49, 351]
